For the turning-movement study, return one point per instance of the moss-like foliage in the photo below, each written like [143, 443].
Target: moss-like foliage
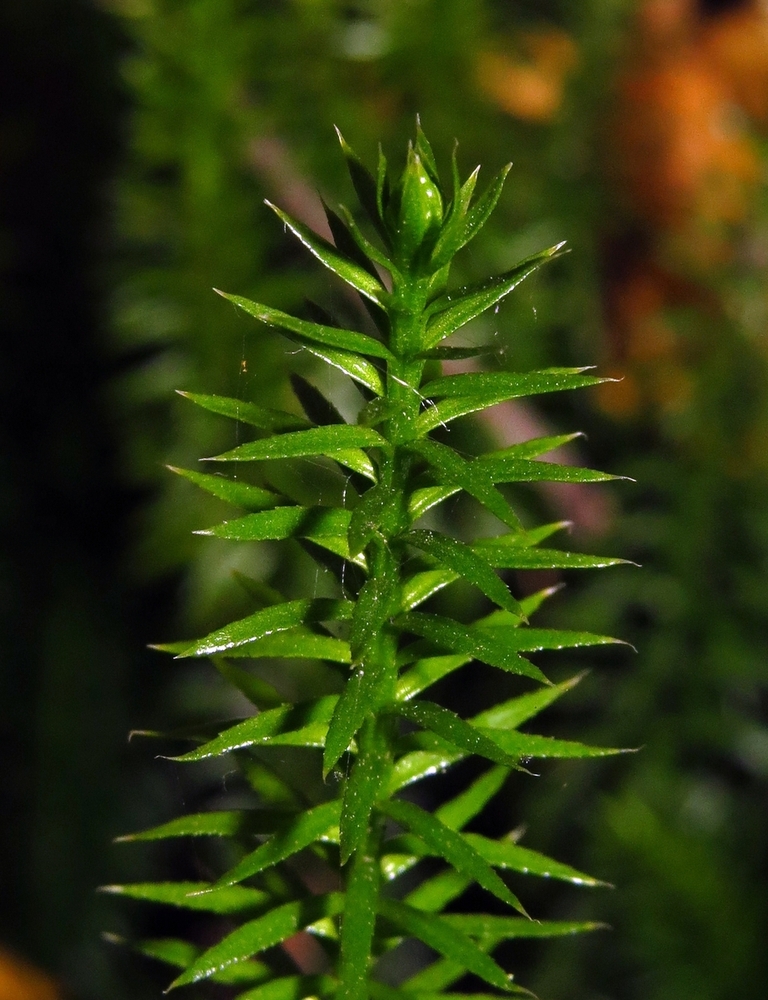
[376, 731]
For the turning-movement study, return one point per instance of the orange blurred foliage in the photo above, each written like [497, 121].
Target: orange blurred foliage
[529, 86]
[21, 981]
[685, 166]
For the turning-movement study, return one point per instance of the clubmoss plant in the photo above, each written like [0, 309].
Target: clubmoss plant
[376, 732]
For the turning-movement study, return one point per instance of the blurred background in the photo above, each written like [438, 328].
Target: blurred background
[138, 139]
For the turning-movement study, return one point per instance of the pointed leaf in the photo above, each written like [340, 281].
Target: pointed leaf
[449, 726]
[368, 190]
[416, 212]
[496, 647]
[533, 536]
[402, 994]
[210, 824]
[533, 447]
[453, 471]
[329, 256]
[331, 336]
[524, 746]
[298, 444]
[442, 413]
[519, 470]
[492, 930]
[420, 764]
[269, 620]
[439, 935]
[233, 491]
[498, 386]
[452, 311]
[247, 413]
[517, 557]
[352, 242]
[350, 364]
[257, 935]
[452, 234]
[171, 951]
[451, 846]
[507, 854]
[181, 954]
[305, 829]
[284, 522]
[363, 245]
[295, 644]
[530, 640]
[513, 713]
[424, 149]
[468, 564]
[533, 602]
[455, 813]
[485, 204]
[187, 895]
[261, 729]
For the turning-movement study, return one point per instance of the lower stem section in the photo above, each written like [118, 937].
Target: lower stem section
[359, 919]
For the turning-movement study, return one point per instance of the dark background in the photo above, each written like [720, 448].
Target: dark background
[137, 141]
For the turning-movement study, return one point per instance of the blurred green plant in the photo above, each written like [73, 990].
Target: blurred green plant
[337, 856]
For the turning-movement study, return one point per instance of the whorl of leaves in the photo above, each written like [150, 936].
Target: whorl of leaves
[379, 731]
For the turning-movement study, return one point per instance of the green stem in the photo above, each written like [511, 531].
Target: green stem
[359, 917]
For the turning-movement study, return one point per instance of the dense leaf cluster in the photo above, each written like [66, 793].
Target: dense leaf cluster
[378, 732]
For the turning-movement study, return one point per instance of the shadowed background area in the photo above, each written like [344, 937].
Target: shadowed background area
[138, 139]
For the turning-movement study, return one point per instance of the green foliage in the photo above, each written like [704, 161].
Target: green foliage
[377, 630]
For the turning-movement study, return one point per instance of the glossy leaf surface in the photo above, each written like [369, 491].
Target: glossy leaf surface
[264, 728]
[359, 278]
[305, 829]
[446, 843]
[247, 413]
[450, 727]
[238, 493]
[464, 561]
[266, 622]
[193, 895]
[300, 444]
[497, 647]
[257, 935]
[340, 724]
[458, 308]
[446, 939]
